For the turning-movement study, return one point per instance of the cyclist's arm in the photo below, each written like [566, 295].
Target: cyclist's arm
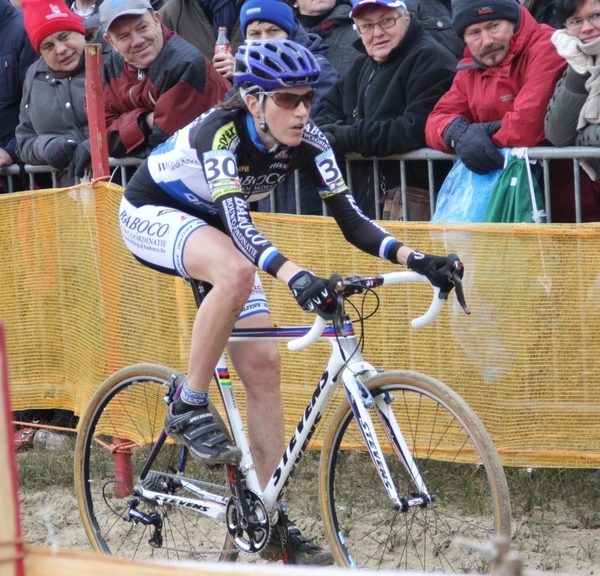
[320, 163]
[362, 232]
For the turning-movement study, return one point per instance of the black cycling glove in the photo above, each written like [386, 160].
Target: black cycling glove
[473, 145]
[313, 294]
[437, 269]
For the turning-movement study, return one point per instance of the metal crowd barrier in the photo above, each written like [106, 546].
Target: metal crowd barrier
[15, 171]
[543, 154]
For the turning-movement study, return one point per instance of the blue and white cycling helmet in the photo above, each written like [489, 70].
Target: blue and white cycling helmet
[272, 64]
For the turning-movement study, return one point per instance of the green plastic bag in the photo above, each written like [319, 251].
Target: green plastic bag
[516, 196]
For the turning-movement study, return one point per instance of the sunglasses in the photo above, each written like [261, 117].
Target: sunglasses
[290, 101]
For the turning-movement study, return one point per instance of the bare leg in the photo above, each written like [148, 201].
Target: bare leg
[259, 366]
[211, 256]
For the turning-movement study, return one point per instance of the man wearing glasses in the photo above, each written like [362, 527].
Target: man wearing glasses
[380, 105]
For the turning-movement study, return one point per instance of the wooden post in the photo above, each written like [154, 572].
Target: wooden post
[11, 544]
[95, 110]
[99, 149]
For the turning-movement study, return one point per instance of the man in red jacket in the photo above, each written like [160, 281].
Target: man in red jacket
[155, 81]
[501, 92]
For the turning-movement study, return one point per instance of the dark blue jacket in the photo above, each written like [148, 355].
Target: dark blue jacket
[329, 74]
[16, 54]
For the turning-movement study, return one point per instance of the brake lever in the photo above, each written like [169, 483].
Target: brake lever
[455, 275]
[336, 286]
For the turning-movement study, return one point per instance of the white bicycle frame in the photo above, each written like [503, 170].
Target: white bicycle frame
[345, 361]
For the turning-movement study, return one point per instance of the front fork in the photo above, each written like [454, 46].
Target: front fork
[361, 401]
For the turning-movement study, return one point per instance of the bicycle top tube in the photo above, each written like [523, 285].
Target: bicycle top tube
[284, 333]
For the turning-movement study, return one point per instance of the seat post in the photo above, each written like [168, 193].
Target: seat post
[200, 290]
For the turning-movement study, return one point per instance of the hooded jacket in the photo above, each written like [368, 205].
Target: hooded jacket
[178, 86]
[516, 91]
[436, 16]
[16, 55]
[329, 75]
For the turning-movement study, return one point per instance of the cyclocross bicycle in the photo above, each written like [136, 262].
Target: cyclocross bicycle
[405, 464]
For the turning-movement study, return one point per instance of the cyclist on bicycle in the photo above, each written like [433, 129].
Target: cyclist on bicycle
[185, 212]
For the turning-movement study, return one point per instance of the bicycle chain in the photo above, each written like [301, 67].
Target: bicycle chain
[197, 552]
[194, 481]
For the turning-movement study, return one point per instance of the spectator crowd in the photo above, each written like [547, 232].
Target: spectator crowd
[466, 77]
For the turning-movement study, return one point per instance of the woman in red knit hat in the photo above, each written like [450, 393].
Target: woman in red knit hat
[53, 125]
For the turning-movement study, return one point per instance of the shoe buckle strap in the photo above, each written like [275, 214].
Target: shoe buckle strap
[218, 439]
[198, 431]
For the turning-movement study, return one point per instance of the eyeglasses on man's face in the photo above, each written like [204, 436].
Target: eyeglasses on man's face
[576, 23]
[289, 101]
[369, 27]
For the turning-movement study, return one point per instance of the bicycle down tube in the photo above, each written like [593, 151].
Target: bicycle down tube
[343, 348]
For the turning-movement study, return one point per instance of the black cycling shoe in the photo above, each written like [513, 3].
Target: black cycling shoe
[303, 550]
[202, 435]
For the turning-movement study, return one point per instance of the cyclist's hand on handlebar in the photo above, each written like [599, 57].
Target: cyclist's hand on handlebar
[441, 271]
[314, 294]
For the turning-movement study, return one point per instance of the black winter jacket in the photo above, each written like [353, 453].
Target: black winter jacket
[384, 107]
[16, 55]
[436, 16]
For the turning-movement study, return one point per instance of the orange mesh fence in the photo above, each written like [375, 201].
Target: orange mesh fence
[77, 306]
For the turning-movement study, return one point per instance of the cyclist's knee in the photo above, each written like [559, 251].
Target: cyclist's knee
[235, 282]
[239, 273]
[262, 367]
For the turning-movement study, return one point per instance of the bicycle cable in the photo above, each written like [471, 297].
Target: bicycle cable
[348, 289]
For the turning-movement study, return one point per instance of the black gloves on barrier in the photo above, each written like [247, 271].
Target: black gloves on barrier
[342, 137]
[81, 160]
[435, 268]
[313, 294]
[473, 145]
[59, 151]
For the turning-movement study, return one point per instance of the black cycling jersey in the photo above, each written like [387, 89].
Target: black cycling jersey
[214, 166]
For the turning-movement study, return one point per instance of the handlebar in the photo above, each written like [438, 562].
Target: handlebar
[358, 285]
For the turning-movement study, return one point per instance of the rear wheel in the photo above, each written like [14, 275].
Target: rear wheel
[116, 434]
[457, 460]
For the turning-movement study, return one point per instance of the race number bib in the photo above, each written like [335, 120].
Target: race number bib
[220, 171]
[333, 181]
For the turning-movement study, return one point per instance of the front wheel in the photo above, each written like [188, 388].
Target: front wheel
[457, 461]
[116, 434]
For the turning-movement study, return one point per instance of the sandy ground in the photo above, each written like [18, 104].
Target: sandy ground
[547, 541]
